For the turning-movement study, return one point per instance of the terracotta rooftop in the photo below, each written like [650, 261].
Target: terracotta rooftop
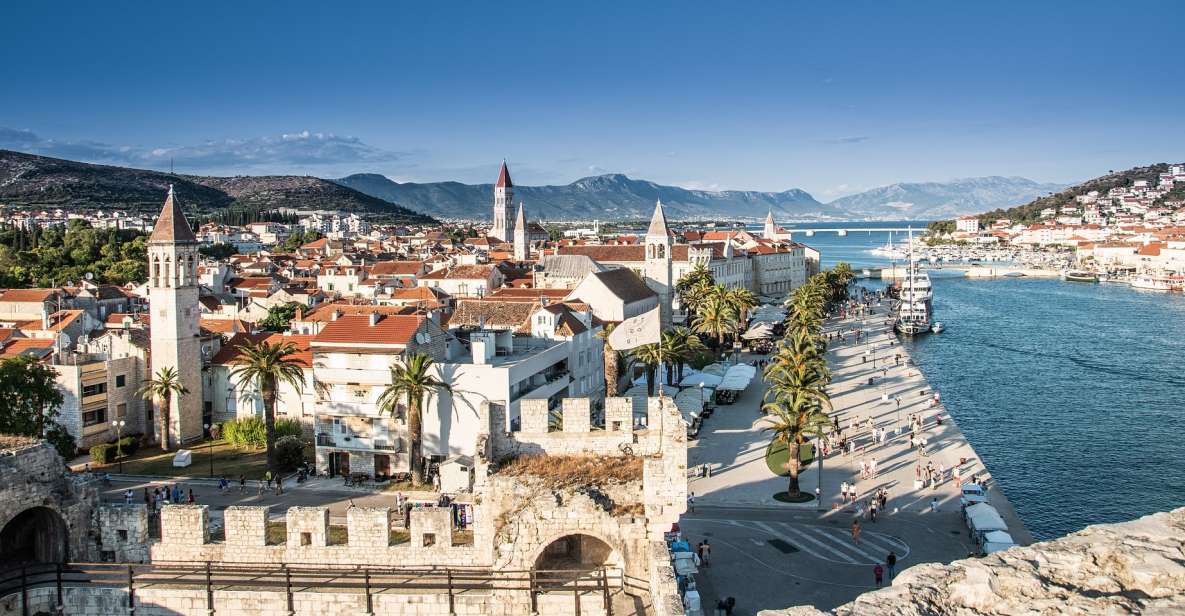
[397, 268]
[233, 347]
[389, 330]
[20, 346]
[528, 295]
[497, 314]
[27, 295]
[461, 272]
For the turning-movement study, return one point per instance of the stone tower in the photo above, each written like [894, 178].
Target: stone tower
[173, 302]
[522, 244]
[503, 199]
[659, 245]
[770, 232]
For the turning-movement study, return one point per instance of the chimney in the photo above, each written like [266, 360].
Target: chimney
[299, 316]
[372, 319]
[45, 319]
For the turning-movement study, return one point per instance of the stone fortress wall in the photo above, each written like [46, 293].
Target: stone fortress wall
[40, 502]
[518, 521]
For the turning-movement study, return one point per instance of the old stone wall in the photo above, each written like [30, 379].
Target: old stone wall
[34, 476]
[664, 588]
[123, 533]
[185, 537]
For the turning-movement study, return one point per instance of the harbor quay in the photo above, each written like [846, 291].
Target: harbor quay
[767, 552]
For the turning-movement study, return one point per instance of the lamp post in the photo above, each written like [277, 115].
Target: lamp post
[117, 425]
[210, 449]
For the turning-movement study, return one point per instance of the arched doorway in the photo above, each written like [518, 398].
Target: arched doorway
[577, 552]
[37, 534]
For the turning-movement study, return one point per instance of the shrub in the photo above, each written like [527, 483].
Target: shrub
[289, 452]
[101, 454]
[129, 445]
[245, 433]
[288, 427]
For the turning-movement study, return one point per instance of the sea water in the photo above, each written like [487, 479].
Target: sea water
[1073, 394]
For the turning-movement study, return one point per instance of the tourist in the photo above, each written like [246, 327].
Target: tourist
[872, 510]
[242, 484]
[128, 496]
[190, 496]
[280, 485]
[691, 502]
[222, 484]
[891, 561]
[872, 468]
[147, 498]
[705, 553]
[934, 505]
[856, 531]
[267, 477]
[843, 491]
[879, 573]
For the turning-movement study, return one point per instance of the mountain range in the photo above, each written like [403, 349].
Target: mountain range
[38, 181]
[615, 197]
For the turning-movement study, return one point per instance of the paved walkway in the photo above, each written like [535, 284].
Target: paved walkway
[733, 443]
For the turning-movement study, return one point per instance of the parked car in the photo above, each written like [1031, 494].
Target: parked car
[972, 494]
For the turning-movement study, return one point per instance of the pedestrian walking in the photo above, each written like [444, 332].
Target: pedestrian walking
[705, 553]
[691, 502]
[878, 572]
[128, 496]
[856, 531]
[268, 478]
[190, 501]
[242, 484]
[222, 484]
[843, 491]
[872, 468]
[891, 561]
[934, 505]
[872, 510]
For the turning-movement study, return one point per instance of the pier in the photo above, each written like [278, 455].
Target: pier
[970, 271]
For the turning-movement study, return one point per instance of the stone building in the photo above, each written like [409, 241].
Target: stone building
[45, 515]
[173, 299]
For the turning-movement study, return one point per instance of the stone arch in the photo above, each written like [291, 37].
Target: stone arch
[37, 534]
[577, 550]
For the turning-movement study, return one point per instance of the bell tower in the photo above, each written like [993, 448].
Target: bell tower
[659, 245]
[522, 243]
[503, 200]
[173, 324]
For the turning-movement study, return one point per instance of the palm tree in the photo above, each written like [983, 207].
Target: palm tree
[412, 380]
[742, 301]
[612, 361]
[679, 345]
[791, 421]
[690, 287]
[650, 355]
[265, 365]
[716, 318]
[166, 385]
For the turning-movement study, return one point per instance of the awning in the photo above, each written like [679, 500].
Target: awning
[759, 331]
[693, 379]
[983, 517]
[738, 377]
[690, 403]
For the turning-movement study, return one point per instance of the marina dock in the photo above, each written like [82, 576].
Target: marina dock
[970, 271]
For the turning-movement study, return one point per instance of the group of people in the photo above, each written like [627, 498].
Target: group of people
[160, 496]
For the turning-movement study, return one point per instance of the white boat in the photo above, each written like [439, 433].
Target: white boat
[1152, 282]
[937, 327]
[913, 313]
[888, 250]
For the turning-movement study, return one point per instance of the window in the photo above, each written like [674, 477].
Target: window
[95, 417]
[121, 380]
[121, 411]
[94, 389]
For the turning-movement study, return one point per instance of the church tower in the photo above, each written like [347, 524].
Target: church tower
[173, 302]
[659, 245]
[522, 245]
[770, 232]
[503, 199]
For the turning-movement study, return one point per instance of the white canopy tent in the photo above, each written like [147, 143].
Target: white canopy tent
[738, 377]
[983, 517]
[997, 540]
[759, 331]
[693, 379]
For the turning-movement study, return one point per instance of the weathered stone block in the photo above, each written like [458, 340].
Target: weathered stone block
[431, 527]
[185, 525]
[246, 526]
[577, 414]
[308, 527]
[533, 416]
[369, 527]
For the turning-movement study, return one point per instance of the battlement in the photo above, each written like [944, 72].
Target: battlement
[306, 536]
[575, 432]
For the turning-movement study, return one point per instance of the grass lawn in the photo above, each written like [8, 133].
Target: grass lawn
[777, 457]
[228, 461]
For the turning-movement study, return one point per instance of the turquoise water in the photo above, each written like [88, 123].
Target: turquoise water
[1073, 394]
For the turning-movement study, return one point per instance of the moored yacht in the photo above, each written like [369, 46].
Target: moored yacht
[1153, 282]
[916, 295]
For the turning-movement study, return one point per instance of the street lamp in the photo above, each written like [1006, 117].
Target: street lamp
[117, 425]
[210, 449]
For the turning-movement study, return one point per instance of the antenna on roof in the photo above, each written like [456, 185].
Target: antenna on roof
[170, 164]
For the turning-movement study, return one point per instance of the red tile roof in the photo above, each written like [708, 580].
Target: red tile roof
[396, 330]
[504, 177]
[172, 226]
[528, 295]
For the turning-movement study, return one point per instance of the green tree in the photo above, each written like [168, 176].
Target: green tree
[792, 420]
[29, 402]
[679, 345]
[412, 380]
[279, 316]
[219, 251]
[716, 318]
[265, 365]
[164, 387]
[650, 356]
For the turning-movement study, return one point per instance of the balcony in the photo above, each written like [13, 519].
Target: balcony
[347, 409]
[548, 387]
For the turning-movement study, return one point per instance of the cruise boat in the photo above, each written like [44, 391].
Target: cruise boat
[916, 298]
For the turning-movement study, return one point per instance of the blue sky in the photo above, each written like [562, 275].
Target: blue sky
[829, 97]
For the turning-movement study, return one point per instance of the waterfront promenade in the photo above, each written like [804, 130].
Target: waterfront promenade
[776, 553]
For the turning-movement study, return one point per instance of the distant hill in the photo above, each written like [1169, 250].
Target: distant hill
[1031, 211]
[39, 181]
[934, 200]
[604, 197]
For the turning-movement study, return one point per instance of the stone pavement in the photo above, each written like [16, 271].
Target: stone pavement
[770, 554]
[733, 443]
